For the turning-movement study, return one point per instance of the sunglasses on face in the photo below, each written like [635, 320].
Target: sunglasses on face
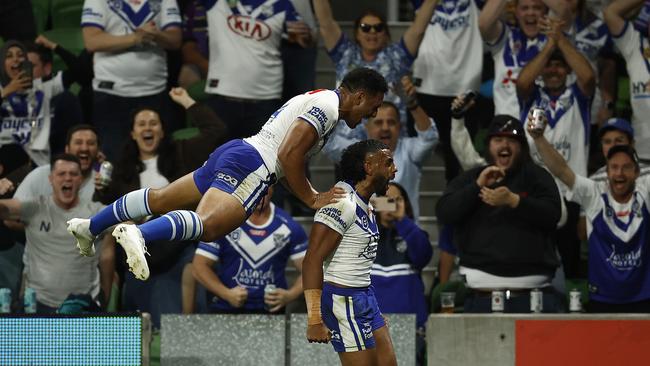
[365, 28]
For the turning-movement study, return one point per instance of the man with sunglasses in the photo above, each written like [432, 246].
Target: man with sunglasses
[618, 227]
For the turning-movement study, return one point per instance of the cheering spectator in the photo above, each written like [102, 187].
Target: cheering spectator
[449, 62]
[129, 40]
[512, 47]
[246, 35]
[496, 208]
[632, 44]
[26, 101]
[618, 230]
[371, 47]
[53, 268]
[251, 258]
[568, 108]
[65, 105]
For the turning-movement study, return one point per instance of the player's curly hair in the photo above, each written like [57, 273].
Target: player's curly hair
[353, 158]
[363, 78]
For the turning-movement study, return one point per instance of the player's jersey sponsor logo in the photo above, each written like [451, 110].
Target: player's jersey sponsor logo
[228, 179]
[249, 27]
[366, 330]
[320, 116]
[335, 214]
[641, 89]
[625, 261]
[249, 277]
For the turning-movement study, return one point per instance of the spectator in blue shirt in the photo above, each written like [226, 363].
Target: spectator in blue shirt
[250, 258]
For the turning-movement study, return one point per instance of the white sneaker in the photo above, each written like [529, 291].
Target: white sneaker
[80, 228]
[130, 238]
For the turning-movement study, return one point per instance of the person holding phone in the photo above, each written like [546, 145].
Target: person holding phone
[25, 101]
[404, 249]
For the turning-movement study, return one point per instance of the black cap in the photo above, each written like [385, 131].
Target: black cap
[625, 149]
[505, 125]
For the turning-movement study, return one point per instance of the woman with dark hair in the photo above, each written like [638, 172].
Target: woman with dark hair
[25, 99]
[152, 159]
[403, 250]
[371, 47]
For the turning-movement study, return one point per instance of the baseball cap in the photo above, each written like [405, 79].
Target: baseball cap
[626, 149]
[505, 125]
[617, 124]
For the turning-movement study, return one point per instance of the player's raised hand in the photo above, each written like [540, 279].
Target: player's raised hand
[325, 198]
[237, 296]
[180, 96]
[490, 175]
[318, 333]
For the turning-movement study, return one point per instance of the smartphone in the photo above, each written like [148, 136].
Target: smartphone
[384, 203]
[28, 68]
[467, 97]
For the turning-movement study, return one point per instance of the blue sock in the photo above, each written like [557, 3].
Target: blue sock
[132, 205]
[175, 226]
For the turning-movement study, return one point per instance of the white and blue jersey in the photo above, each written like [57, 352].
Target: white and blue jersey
[511, 52]
[318, 108]
[26, 119]
[246, 168]
[351, 313]
[635, 48]
[139, 71]
[254, 256]
[568, 126]
[593, 40]
[450, 57]
[352, 217]
[245, 40]
[618, 233]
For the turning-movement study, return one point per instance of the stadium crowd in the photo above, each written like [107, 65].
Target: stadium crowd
[551, 200]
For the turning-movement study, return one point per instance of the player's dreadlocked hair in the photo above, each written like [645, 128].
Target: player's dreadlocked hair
[365, 79]
[353, 158]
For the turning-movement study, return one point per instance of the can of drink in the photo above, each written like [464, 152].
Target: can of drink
[29, 301]
[105, 173]
[269, 288]
[5, 300]
[538, 122]
[575, 303]
[498, 299]
[536, 301]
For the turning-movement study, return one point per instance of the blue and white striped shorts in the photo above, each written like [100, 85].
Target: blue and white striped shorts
[236, 168]
[352, 314]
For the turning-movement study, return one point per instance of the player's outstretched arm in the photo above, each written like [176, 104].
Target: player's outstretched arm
[292, 157]
[322, 242]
